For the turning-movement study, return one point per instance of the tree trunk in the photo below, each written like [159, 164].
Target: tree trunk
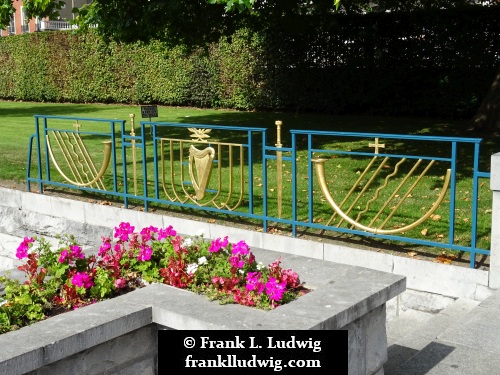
[487, 117]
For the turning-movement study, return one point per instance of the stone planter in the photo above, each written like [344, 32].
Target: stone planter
[120, 335]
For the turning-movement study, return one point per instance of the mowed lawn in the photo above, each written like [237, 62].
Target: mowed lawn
[17, 125]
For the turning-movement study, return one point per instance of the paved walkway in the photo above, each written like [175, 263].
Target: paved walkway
[462, 339]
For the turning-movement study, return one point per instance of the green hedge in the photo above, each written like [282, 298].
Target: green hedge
[422, 63]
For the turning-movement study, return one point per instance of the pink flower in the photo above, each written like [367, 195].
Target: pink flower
[236, 261]
[275, 289]
[167, 232]
[290, 277]
[145, 253]
[123, 231]
[120, 283]
[76, 252]
[82, 279]
[22, 250]
[240, 248]
[218, 244]
[253, 282]
[106, 245]
[63, 255]
[147, 233]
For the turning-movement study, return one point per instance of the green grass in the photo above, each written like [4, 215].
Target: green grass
[17, 124]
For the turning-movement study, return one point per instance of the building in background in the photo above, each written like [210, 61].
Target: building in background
[19, 23]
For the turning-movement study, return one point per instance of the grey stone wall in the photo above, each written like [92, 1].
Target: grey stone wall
[135, 353]
[24, 222]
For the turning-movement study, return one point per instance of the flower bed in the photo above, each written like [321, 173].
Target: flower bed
[67, 279]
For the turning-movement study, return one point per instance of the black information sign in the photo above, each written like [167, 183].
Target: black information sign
[148, 111]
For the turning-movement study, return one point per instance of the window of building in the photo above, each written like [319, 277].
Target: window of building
[11, 29]
[24, 21]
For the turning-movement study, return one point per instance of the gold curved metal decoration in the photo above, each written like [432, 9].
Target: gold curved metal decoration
[172, 174]
[242, 181]
[377, 192]
[356, 184]
[200, 170]
[80, 152]
[367, 185]
[202, 160]
[320, 171]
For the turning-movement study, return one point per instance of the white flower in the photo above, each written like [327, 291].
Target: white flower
[260, 266]
[191, 268]
[202, 260]
[187, 242]
[241, 271]
[201, 232]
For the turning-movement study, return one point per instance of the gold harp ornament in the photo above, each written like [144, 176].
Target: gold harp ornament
[202, 161]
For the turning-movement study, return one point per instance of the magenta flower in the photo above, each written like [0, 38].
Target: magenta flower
[218, 244]
[147, 233]
[82, 279]
[167, 232]
[275, 289]
[236, 261]
[22, 250]
[123, 231]
[145, 253]
[76, 252]
[253, 282]
[240, 248]
[63, 256]
[106, 245]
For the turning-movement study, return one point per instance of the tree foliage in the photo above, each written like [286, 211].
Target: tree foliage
[181, 20]
[6, 12]
[33, 8]
[199, 22]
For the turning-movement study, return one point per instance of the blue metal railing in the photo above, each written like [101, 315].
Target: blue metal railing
[44, 164]
[452, 142]
[306, 209]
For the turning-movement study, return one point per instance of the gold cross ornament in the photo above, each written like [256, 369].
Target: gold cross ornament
[376, 145]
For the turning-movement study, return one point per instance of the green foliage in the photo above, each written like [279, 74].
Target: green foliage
[240, 72]
[42, 8]
[23, 304]
[6, 12]
[33, 8]
[8, 67]
[104, 284]
[231, 5]
[435, 63]
[178, 22]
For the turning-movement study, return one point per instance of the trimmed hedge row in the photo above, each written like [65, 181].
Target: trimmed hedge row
[424, 64]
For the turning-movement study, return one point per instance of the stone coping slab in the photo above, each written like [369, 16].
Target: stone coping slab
[24, 212]
[341, 295]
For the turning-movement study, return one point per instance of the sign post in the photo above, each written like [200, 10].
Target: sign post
[148, 111]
